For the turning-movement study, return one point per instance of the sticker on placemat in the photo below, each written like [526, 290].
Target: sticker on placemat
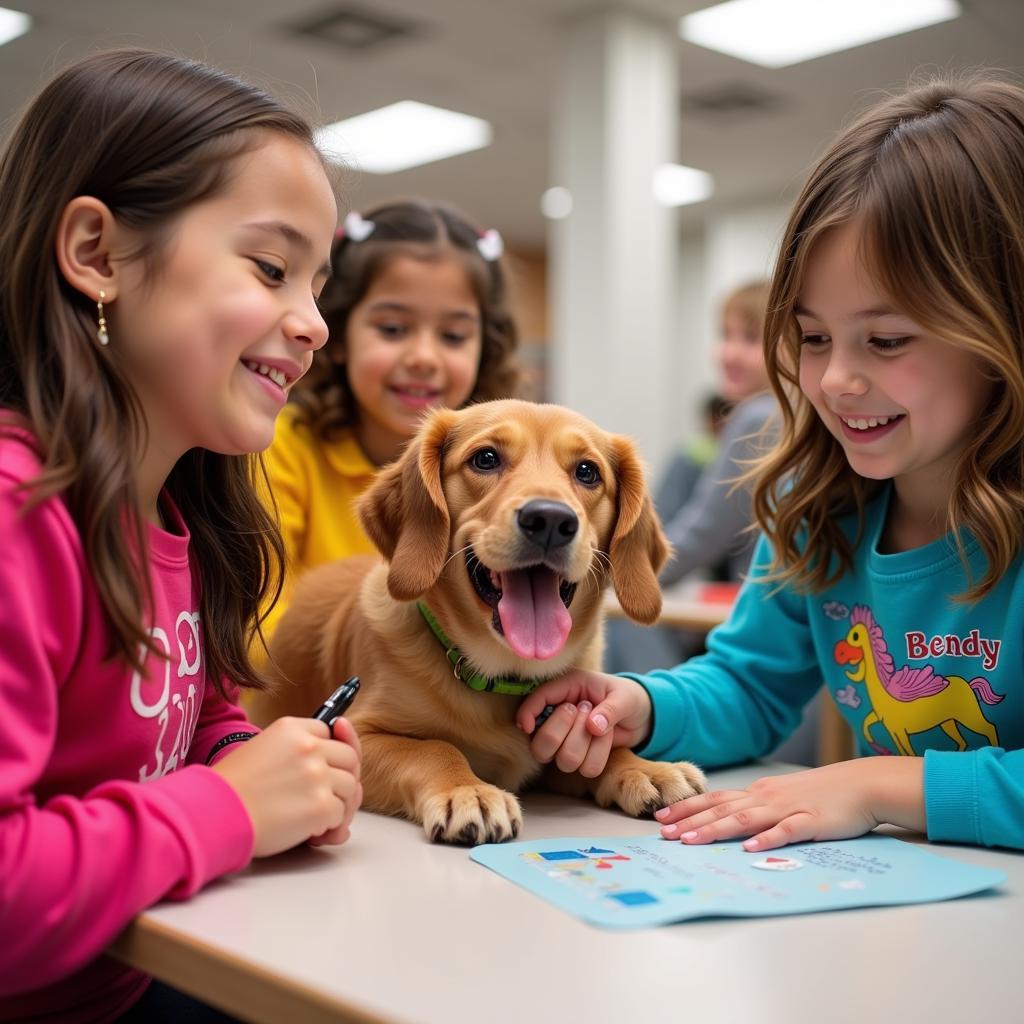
[777, 864]
[646, 880]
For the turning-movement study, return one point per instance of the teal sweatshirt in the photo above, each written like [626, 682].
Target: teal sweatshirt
[912, 672]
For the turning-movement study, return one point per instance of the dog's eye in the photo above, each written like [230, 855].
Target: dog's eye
[588, 474]
[486, 460]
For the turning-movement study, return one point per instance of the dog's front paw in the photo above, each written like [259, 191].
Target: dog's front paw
[640, 787]
[469, 815]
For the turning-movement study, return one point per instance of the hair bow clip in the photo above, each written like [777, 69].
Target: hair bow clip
[490, 245]
[355, 228]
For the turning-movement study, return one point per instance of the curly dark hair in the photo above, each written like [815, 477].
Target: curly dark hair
[421, 228]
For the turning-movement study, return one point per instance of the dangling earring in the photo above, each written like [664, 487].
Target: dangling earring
[101, 333]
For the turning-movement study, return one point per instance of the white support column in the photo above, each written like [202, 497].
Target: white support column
[732, 248]
[614, 260]
[740, 246]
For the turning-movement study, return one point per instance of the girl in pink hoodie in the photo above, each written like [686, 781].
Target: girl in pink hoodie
[165, 230]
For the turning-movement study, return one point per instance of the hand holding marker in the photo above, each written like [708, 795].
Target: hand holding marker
[338, 703]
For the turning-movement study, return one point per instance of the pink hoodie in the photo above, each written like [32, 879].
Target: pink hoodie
[105, 804]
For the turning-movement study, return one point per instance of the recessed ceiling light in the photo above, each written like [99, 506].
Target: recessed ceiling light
[356, 28]
[556, 203]
[13, 24]
[402, 135]
[777, 33]
[676, 185]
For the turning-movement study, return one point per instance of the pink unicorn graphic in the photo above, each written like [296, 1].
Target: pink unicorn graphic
[911, 700]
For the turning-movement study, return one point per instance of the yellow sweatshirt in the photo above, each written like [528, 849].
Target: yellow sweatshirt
[315, 484]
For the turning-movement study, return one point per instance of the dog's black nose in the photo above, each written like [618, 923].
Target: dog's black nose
[549, 524]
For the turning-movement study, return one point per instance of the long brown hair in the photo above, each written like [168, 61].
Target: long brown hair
[424, 230]
[936, 177]
[148, 134]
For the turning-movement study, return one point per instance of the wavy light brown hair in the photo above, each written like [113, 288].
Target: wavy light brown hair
[749, 302]
[148, 134]
[935, 176]
[427, 231]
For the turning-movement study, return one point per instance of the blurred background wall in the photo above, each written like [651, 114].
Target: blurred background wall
[616, 296]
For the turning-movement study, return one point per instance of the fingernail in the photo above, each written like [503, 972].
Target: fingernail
[571, 708]
[751, 844]
[661, 813]
[600, 721]
[688, 835]
[669, 830]
[586, 707]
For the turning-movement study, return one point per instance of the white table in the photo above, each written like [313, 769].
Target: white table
[391, 928]
[682, 606]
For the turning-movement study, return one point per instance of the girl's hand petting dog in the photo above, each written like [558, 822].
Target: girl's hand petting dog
[593, 714]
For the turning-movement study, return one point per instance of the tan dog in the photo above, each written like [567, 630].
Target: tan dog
[505, 521]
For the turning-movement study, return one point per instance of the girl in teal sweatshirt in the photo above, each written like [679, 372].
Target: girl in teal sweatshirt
[892, 509]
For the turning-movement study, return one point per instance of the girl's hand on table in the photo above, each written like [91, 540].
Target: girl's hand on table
[836, 801]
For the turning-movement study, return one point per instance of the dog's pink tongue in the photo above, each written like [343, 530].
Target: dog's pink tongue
[534, 620]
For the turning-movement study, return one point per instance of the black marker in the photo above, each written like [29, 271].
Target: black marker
[337, 704]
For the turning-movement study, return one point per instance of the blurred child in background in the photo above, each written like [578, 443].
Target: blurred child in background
[710, 529]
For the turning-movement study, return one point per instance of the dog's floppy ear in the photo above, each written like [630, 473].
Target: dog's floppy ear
[638, 549]
[405, 512]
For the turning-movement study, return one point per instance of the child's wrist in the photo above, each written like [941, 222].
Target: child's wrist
[895, 790]
[645, 728]
[225, 744]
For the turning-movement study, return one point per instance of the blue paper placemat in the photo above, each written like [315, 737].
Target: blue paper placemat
[636, 882]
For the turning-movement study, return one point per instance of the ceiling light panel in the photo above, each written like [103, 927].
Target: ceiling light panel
[777, 33]
[13, 24]
[402, 135]
[678, 185]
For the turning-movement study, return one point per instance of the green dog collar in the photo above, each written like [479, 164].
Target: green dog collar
[462, 669]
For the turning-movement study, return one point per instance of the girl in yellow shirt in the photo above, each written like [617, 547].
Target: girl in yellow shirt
[418, 318]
